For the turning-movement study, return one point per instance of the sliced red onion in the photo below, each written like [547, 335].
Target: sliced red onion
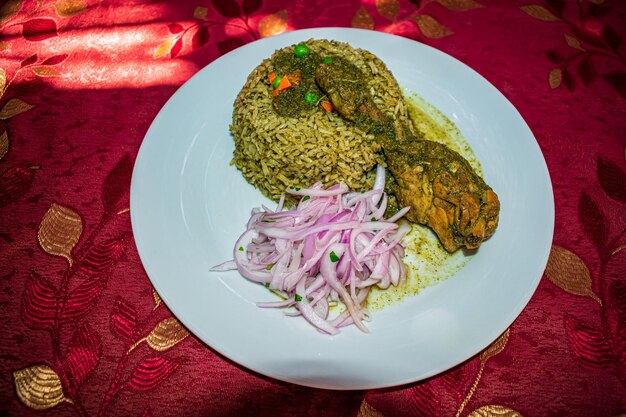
[399, 214]
[333, 246]
[276, 304]
[379, 181]
[224, 266]
[281, 202]
[337, 190]
[321, 307]
[311, 316]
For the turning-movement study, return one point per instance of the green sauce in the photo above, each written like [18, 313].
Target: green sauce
[293, 102]
[427, 262]
[433, 125]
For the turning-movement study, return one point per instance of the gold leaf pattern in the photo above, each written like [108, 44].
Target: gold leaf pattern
[362, 19]
[67, 8]
[3, 80]
[431, 28]
[367, 410]
[496, 347]
[166, 334]
[492, 350]
[39, 387]
[163, 49]
[9, 9]
[494, 411]
[200, 12]
[539, 12]
[4, 144]
[157, 299]
[45, 71]
[388, 8]
[273, 24]
[568, 272]
[615, 251]
[59, 231]
[14, 107]
[555, 77]
[573, 42]
[459, 5]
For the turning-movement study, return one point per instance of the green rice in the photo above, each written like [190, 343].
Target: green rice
[274, 152]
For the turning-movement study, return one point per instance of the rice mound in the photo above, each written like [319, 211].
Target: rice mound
[274, 152]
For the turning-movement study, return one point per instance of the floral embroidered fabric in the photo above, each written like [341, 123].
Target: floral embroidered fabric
[84, 332]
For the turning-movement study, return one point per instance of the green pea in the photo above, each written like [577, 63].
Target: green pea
[277, 81]
[311, 97]
[327, 60]
[301, 50]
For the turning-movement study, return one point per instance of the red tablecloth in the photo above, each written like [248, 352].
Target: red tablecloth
[85, 334]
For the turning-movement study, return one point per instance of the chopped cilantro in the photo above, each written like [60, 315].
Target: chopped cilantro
[305, 198]
[241, 248]
[298, 297]
[333, 256]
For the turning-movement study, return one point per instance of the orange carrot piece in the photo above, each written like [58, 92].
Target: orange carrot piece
[327, 106]
[284, 84]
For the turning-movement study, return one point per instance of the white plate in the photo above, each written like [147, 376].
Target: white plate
[188, 206]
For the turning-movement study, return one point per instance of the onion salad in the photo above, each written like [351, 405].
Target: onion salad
[330, 249]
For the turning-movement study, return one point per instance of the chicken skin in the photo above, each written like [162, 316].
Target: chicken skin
[439, 185]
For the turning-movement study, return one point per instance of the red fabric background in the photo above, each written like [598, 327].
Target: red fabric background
[85, 78]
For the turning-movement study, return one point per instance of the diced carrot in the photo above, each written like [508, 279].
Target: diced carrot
[327, 106]
[284, 84]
